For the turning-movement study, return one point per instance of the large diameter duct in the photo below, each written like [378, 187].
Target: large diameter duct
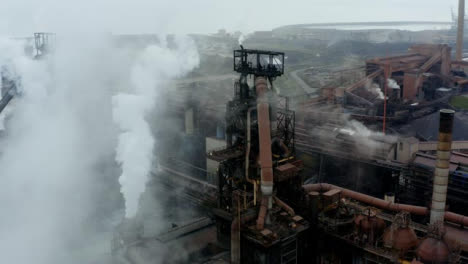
[460, 29]
[456, 218]
[264, 135]
[247, 152]
[441, 173]
[262, 213]
[380, 203]
[367, 199]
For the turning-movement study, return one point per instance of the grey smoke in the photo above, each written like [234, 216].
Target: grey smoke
[393, 84]
[59, 144]
[59, 133]
[152, 68]
[374, 88]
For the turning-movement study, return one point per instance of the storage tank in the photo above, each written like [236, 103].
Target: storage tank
[433, 249]
[368, 226]
[400, 236]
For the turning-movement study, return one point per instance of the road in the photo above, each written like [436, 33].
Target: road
[304, 85]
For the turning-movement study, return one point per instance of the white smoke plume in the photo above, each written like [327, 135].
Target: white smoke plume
[57, 152]
[153, 67]
[242, 38]
[374, 89]
[57, 138]
[393, 84]
[377, 90]
[368, 141]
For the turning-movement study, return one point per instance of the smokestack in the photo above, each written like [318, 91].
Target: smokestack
[460, 28]
[441, 173]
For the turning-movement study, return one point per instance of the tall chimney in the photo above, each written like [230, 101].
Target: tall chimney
[441, 173]
[460, 28]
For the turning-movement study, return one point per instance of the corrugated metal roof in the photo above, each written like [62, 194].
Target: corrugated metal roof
[459, 158]
[429, 160]
[427, 127]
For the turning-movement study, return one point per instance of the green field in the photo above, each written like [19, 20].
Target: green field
[459, 102]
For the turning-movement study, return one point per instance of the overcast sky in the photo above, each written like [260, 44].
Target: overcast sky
[19, 17]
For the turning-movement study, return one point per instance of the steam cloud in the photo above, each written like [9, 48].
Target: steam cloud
[393, 84]
[59, 146]
[58, 138]
[366, 138]
[153, 67]
[374, 89]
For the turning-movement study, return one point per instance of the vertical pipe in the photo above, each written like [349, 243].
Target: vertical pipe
[220, 184]
[386, 73]
[235, 248]
[228, 125]
[441, 173]
[247, 152]
[235, 237]
[264, 135]
[255, 193]
[247, 155]
[262, 213]
[460, 29]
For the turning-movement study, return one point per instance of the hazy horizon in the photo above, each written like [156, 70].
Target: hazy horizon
[22, 17]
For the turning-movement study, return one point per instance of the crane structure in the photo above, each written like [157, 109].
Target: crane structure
[43, 45]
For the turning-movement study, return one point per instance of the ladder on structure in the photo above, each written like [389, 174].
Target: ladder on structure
[289, 251]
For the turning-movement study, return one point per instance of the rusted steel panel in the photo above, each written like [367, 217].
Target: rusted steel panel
[285, 171]
[410, 85]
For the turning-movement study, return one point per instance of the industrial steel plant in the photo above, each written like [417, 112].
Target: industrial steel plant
[304, 144]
